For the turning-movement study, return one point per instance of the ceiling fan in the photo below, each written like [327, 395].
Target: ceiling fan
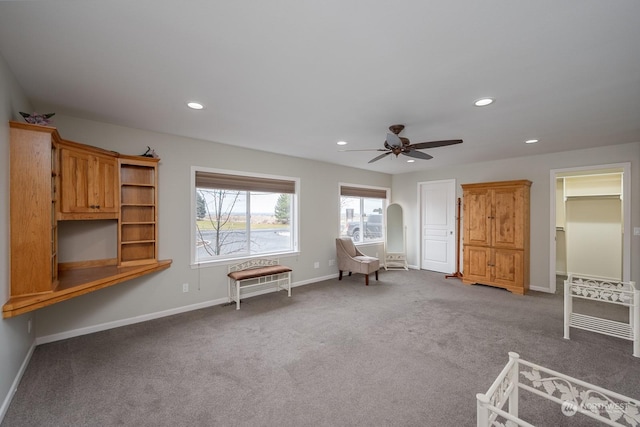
[400, 145]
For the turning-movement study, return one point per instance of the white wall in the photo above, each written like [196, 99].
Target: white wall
[319, 224]
[15, 342]
[594, 236]
[534, 168]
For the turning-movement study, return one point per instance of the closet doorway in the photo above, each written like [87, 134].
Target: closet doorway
[590, 228]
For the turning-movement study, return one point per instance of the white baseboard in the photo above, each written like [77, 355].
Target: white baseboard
[124, 322]
[539, 289]
[14, 386]
[157, 315]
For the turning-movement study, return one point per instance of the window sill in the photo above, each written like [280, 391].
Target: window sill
[228, 261]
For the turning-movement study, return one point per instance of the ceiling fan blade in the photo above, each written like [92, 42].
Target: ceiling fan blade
[417, 154]
[434, 144]
[364, 149]
[394, 140]
[375, 159]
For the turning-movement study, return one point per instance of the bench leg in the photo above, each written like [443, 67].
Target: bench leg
[237, 295]
[366, 279]
[289, 282]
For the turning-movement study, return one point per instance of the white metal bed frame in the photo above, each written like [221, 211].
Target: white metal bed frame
[573, 395]
[605, 291]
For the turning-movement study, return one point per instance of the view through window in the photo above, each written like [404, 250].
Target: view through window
[362, 213]
[240, 215]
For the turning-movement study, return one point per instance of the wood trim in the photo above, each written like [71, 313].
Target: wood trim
[498, 184]
[79, 281]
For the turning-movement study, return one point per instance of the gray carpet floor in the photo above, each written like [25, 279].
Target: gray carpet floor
[411, 349]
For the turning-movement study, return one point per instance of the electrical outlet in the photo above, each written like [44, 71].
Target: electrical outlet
[316, 264]
[185, 287]
[29, 326]
[332, 262]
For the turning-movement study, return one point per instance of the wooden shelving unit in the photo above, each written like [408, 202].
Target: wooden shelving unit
[138, 227]
[53, 180]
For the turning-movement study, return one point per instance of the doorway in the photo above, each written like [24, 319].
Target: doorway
[437, 225]
[590, 214]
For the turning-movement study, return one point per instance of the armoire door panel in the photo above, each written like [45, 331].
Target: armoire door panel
[508, 267]
[508, 218]
[477, 264]
[477, 218]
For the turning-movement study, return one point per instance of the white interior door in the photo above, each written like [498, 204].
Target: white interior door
[438, 218]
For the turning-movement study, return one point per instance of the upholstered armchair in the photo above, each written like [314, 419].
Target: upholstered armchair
[352, 260]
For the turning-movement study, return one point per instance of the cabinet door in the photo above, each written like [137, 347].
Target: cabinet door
[508, 214]
[477, 264]
[477, 217]
[508, 268]
[74, 181]
[103, 183]
[88, 183]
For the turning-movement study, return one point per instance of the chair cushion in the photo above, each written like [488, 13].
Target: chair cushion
[365, 259]
[258, 272]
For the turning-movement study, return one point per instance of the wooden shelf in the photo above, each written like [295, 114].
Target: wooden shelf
[80, 281]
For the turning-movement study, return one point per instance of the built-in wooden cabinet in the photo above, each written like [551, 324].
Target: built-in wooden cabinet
[496, 234]
[56, 180]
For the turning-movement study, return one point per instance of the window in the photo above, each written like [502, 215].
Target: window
[238, 215]
[362, 213]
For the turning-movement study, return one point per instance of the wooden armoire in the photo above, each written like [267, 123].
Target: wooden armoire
[496, 234]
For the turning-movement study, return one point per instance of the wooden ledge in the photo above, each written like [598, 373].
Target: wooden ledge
[80, 281]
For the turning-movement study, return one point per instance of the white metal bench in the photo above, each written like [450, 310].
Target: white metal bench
[605, 291]
[574, 396]
[257, 273]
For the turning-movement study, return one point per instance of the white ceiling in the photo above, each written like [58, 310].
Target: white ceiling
[294, 77]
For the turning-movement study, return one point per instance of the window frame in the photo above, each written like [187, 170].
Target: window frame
[366, 189]
[295, 217]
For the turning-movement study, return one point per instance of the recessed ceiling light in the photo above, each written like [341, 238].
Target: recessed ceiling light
[195, 105]
[531, 141]
[410, 161]
[342, 143]
[482, 102]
